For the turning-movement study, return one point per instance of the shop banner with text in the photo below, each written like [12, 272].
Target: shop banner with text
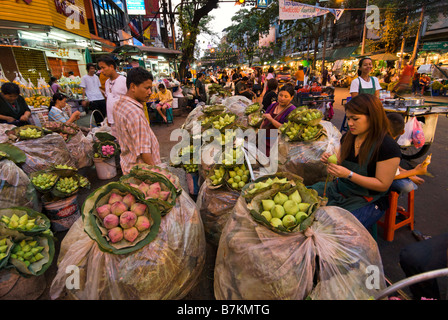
[291, 10]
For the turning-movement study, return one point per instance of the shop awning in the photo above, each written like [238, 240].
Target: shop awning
[343, 53]
[140, 50]
[328, 54]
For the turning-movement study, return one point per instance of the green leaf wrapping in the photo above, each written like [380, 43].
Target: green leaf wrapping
[149, 177]
[13, 153]
[93, 225]
[308, 195]
[39, 267]
[10, 244]
[294, 179]
[42, 222]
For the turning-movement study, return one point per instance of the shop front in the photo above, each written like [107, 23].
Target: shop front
[43, 38]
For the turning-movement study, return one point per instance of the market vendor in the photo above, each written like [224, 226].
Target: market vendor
[13, 108]
[57, 110]
[367, 162]
[165, 98]
[276, 114]
[365, 83]
[137, 141]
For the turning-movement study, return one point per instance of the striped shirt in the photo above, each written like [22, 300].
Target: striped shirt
[58, 115]
[134, 133]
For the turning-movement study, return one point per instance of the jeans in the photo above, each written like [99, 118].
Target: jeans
[368, 215]
[403, 186]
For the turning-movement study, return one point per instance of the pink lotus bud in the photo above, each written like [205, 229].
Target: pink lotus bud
[114, 198]
[128, 200]
[142, 223]
[143, 187]
[128, 219]
[138, 208]
[164, 195]
[103, 211]
[117, 208]
[111, 221]
[115, 234]
[131, 234]
[154, 191]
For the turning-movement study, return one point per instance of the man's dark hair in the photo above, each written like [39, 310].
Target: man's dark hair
[300, 67]
[10, 88]
[270, 70]
[272, 84]
[89, 65]
[72, 73]
[161, 86]
[396, 124]
[137, 76]
[200, 74]
[245, 78]
[109, 60]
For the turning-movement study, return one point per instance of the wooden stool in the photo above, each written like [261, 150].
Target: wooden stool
[389, 224]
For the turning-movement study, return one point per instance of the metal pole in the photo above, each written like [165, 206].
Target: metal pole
[365, 30]
[411, 280]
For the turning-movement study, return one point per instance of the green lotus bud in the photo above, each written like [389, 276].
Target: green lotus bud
[14, 256]
[304, 206]
[333, 159]
[3, 242]
[289, 220]
[268, 204]
[3, 248]
[277, 211]
[291, 207]
[267, 215]
[38, 256]
[28, 255]
[26, 248]
[13, 224]
[300, 216]
[280, 198]
[276, 222]
[295, 196]
[27, 263]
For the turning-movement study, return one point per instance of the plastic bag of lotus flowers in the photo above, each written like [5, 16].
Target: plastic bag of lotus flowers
[303, 157]
[81, 150]
[332, 258]
[44, 152]
[166, 267]
[16, 189]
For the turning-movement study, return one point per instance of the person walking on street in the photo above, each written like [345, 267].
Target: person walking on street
[300, 76]
[405, 76]
[137, 141]
[90, 84]
[115, 86]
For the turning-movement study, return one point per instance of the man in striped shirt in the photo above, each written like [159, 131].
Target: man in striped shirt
[137, 141]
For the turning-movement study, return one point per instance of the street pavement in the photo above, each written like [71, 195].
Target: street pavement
[430, 214]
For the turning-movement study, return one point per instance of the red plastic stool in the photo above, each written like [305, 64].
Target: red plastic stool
[389, 223]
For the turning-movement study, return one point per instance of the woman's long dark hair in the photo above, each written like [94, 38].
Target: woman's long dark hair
[56, 96]
[371, 106]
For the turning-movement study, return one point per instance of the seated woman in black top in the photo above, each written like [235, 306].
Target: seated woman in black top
[13, 108]
[270, 93]
[367, 162]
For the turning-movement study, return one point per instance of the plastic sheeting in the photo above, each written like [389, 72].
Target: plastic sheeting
[166, 268]
[81, 150]
[16, 189]
[44, 152]
[330, 260]
[303, 158]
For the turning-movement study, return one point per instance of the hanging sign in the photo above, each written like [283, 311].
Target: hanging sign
[291, 10]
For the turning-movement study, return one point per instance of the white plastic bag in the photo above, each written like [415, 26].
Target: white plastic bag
[406, 138]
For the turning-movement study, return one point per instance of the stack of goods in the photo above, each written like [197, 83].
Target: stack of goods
[139, 238]
[280, 243]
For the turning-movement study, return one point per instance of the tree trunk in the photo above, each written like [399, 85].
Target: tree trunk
[189, 43]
